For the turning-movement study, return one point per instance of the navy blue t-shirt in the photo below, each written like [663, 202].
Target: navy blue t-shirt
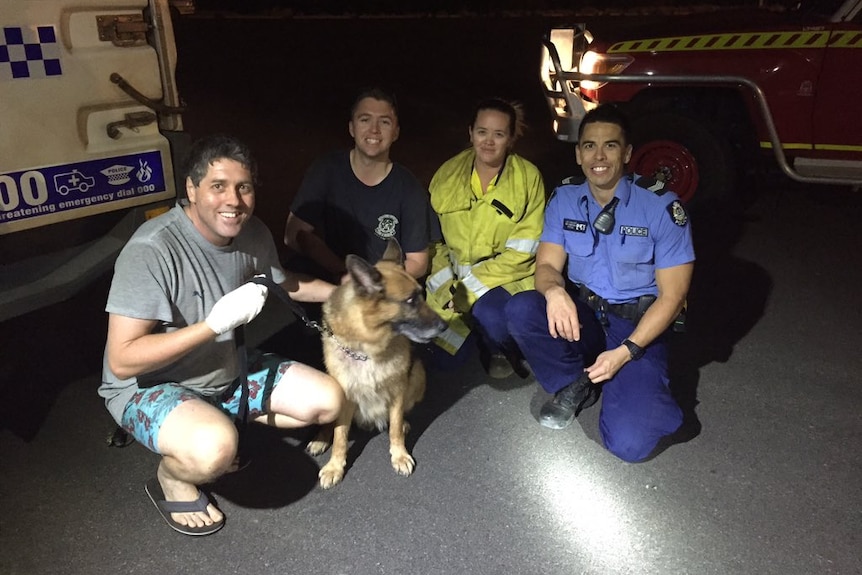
[353, 218]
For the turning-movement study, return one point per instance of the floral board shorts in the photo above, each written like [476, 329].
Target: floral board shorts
[148, 408]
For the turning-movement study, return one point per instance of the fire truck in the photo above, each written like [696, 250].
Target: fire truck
[709, 92]
[91, 132]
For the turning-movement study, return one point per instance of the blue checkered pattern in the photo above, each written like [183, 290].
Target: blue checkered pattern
[29, 52]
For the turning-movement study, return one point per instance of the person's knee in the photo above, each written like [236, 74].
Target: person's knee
[198, 435]
[631, 451]
[515, 307]
[331, 402]
[490, 317]
[305, 396]
[326, 400]
[523, 306]
[208, 448]
[484, 312]
[526, 316]
[632, 443]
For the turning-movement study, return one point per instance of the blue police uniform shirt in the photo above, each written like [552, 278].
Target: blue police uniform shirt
[651, 232]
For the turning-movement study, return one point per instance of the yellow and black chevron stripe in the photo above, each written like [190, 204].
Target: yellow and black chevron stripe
[744, 41]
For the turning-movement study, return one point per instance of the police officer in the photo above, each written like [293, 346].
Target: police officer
[629, 259]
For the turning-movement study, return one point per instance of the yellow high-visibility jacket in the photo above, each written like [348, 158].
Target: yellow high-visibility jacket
[489, 240]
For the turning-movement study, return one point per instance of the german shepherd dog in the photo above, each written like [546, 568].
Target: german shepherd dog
[369, 322]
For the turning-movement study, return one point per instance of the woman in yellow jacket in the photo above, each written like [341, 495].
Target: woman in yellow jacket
[490, 202]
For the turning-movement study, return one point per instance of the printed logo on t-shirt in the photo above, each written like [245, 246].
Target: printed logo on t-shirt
[387, 226]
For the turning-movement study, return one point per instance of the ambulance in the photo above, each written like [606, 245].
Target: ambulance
[91, 139]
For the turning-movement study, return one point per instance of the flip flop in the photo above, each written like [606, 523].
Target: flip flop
[165, 507]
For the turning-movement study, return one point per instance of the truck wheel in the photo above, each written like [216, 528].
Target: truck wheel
[686, 156]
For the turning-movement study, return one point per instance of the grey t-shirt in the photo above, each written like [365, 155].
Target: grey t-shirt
[168, 272]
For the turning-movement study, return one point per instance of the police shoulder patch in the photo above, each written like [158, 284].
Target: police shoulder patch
[677, 213]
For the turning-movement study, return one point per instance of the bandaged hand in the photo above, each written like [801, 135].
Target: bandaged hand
[237, 308]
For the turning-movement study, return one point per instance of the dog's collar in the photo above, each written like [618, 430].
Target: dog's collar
[297, 309]
[352, 354]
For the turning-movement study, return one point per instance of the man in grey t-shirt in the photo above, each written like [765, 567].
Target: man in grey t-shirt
[180, 289]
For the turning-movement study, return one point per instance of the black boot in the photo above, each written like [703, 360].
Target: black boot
[561, 410]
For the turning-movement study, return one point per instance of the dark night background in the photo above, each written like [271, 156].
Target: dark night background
[770, 487]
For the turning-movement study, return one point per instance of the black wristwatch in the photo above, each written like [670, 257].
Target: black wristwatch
[635, 350]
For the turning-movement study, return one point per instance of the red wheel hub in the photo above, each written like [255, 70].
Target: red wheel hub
[670, 162]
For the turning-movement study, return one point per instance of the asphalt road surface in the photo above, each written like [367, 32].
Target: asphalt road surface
[771, 361]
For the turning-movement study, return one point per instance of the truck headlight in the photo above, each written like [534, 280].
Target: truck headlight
[596, 63]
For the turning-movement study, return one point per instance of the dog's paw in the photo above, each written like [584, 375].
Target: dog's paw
[330, 475]
[317, 446]
[403, 464]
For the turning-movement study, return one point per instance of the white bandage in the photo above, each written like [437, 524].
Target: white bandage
[237, 308]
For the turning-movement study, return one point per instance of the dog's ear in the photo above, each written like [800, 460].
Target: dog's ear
[368, 279]
[393, 252]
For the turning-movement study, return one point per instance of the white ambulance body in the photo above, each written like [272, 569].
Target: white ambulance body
[89, 120]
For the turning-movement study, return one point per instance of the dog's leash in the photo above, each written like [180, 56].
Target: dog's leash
[239, 339]
[282, 294]
[242, 408]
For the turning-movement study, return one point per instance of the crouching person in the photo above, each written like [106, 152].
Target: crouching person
[172, 366]
[629, 260]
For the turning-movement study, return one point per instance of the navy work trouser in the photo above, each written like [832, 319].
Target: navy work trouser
[637, 406]
[489, 317]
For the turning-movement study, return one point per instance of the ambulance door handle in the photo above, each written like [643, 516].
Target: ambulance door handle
[133, 121]
[140, 98]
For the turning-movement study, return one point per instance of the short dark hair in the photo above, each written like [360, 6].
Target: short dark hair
[607, 113]
[210, 149]
[376, 93]
[512, 109]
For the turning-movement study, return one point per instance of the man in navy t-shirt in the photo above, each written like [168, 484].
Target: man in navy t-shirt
[352, 202]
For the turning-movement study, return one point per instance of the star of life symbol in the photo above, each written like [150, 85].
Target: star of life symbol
[387, 224]
[145, 172]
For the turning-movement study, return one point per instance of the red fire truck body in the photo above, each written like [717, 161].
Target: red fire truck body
[705, 90]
